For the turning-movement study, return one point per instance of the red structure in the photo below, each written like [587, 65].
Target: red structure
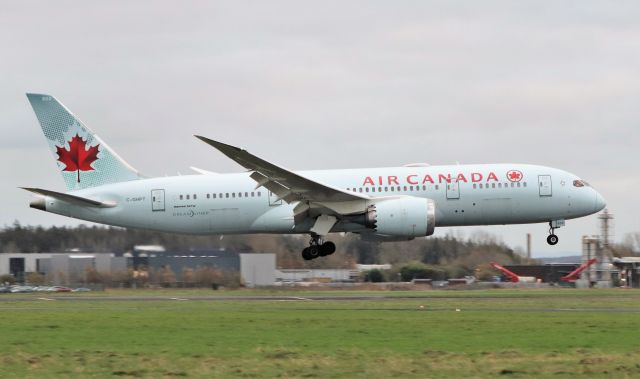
[508, 274]
[575, 274]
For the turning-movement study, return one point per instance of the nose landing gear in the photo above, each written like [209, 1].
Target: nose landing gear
[552, 239]
[318, 248]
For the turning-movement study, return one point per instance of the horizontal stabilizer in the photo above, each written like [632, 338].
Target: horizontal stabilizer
[71, 199]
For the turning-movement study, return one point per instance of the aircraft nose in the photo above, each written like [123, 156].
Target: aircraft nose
[600, 203]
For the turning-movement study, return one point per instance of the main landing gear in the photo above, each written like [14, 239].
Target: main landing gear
[552, 239]
[318, 248]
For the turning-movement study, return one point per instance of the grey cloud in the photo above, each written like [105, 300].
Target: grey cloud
[374, 83]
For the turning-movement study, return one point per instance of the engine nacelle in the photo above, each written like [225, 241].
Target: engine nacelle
[405, 217]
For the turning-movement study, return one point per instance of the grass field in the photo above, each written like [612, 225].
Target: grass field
[558, 333]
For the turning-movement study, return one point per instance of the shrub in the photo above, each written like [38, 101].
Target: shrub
[418, 270]
[35, 278]
[373, 276]
[7, 278]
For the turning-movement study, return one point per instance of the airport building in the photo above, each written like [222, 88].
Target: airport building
[137, 267]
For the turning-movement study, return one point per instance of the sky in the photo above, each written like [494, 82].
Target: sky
[333, 84]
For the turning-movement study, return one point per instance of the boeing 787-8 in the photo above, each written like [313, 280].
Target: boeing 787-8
[378, 204]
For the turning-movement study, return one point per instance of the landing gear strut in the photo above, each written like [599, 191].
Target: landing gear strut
[318, 248]
[552, 239]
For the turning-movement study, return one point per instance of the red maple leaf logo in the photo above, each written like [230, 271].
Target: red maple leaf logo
[514, 175]
[78, 157]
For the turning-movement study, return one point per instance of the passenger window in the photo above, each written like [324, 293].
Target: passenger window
[187, 197]
[253, 194]
[226, 195]
[194, 196]
[424, 188]
[246, 194]
[233, 195]
[360, 189]
[518, 184]
[513, 184]
[437, 187]
[366, 189]
[524, 184]
[386, 189]
[379, 189]
[239, 194]
[180, 197]
[154, 198]
[499, 185]
[214, 195]
[392, 188]
[474, 186]
[259, 193]
[208, 196]
[405, 188]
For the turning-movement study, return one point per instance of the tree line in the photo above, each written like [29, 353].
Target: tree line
[454, 256]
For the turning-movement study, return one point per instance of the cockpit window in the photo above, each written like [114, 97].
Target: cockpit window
[580, 183]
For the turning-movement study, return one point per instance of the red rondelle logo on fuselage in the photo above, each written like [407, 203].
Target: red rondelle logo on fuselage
[514, 176]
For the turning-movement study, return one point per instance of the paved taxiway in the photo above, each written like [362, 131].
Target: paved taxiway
[431, 303]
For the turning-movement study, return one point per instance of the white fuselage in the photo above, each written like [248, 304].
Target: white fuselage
[486, 194]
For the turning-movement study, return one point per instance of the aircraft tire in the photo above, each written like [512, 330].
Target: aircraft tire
[306, 255]
[552, 239]
[314, 251]
[328, 248]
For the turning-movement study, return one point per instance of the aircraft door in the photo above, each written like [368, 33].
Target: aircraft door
[157, 200]
[453, 190]
[544, 185]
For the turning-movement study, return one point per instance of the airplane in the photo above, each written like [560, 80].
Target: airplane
[378, 204]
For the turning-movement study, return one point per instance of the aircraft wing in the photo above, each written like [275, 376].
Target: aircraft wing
[286, 184]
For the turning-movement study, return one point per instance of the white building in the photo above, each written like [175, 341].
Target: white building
[258, 269]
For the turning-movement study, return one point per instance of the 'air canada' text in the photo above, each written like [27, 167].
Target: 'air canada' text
[474, 177]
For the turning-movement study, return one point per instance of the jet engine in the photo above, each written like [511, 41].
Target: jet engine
[405, 217]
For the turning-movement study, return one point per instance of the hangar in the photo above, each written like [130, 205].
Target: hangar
[133, 269]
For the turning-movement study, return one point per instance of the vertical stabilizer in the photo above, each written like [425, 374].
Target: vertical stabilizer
[81, 156]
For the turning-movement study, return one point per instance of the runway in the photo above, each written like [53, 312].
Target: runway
[430, 304]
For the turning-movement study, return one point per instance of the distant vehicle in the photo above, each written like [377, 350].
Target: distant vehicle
[61, 289]
[81, 289]
[378, 204]
[512, 277]
[21, 289]
[5, 290]
[575, 274]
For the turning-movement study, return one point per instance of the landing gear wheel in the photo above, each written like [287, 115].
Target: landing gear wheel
[313, 251]
[327, 248]
[552, 239]
[306, 255]
[317, 248]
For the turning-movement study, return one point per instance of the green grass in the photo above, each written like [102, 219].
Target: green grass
[557, 333]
